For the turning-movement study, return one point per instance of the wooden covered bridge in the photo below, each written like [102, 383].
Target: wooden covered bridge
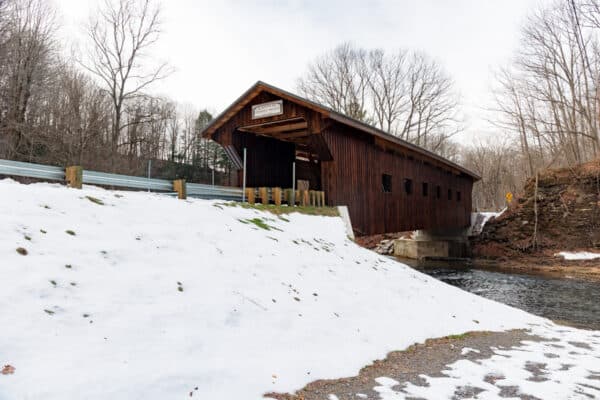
[388, 184]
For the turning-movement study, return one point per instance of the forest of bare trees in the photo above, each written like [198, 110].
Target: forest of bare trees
[95, 110]
[546, 101]
[404, 93]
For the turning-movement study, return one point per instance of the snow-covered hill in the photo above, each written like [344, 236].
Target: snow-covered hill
[125, 295]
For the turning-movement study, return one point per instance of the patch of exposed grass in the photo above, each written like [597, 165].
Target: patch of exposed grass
[22, 251]
[95, 200]
[284, 209]
[258, 222]
[70, 232]
[43, 231]
[27, 237]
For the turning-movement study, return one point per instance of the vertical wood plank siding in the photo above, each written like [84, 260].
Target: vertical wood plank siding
[354, 178]
[350, 168]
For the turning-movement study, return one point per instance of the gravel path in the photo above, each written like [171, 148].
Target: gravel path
[401, 372]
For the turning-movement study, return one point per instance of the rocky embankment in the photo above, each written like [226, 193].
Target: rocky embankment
[563, 216]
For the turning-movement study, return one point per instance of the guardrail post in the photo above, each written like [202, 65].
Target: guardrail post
[264, 195]
[179, 187]
[250, 195]
[74, 176]
[276, 193]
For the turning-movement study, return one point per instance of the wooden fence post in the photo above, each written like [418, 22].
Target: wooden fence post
[318, 199]
[74, 176]
[305, 199]
[264, 195]
[322, 198]
[289, 194]
[250, 195]
[179, 187]
[312, 198]
[276, 193]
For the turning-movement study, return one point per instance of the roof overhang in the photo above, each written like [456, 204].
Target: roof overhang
[326, 112]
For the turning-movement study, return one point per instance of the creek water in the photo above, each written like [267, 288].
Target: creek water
[569, 301]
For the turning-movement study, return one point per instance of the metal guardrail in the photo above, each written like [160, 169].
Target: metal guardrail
[127, 181]
[30, 170]
[214, 192]
[39, 171]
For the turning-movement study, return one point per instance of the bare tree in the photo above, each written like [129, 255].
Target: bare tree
[388, 86]
[406, 94]
[548, 95]
[27, 49]
[120, 36]
[499, 164]
[338, 80]
[432, 117]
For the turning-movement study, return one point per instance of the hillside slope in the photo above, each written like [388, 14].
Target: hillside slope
[127, 295]
[568, 216]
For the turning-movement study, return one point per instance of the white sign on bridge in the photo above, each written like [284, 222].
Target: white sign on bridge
[269, 109]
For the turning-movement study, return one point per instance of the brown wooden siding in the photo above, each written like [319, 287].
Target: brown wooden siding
[349, 169]
[354, 178]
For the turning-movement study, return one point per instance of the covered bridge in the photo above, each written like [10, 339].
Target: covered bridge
[388, 184]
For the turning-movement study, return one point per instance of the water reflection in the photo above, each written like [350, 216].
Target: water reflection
[571, 301]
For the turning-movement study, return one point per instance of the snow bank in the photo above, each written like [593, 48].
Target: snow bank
[479, 219]
[148, 297]
[580, 255]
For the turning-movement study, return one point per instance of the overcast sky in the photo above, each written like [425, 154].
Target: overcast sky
[219, 48]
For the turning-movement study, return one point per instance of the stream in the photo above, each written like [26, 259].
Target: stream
[569, 301]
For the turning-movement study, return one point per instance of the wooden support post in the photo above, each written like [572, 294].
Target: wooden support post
[318, 199]
[74, 176]
[313, 198]
[179, 187]
[305, 199]
[298, 197]
[322, 198]
[276, 192]
[264, 195]
[250, 195]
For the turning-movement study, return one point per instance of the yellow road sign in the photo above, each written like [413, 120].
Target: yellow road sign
[509, 197]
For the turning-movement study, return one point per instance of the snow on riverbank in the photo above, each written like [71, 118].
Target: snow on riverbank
[579, 255]
[479, 219]
[557, 363]
[127, 295]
